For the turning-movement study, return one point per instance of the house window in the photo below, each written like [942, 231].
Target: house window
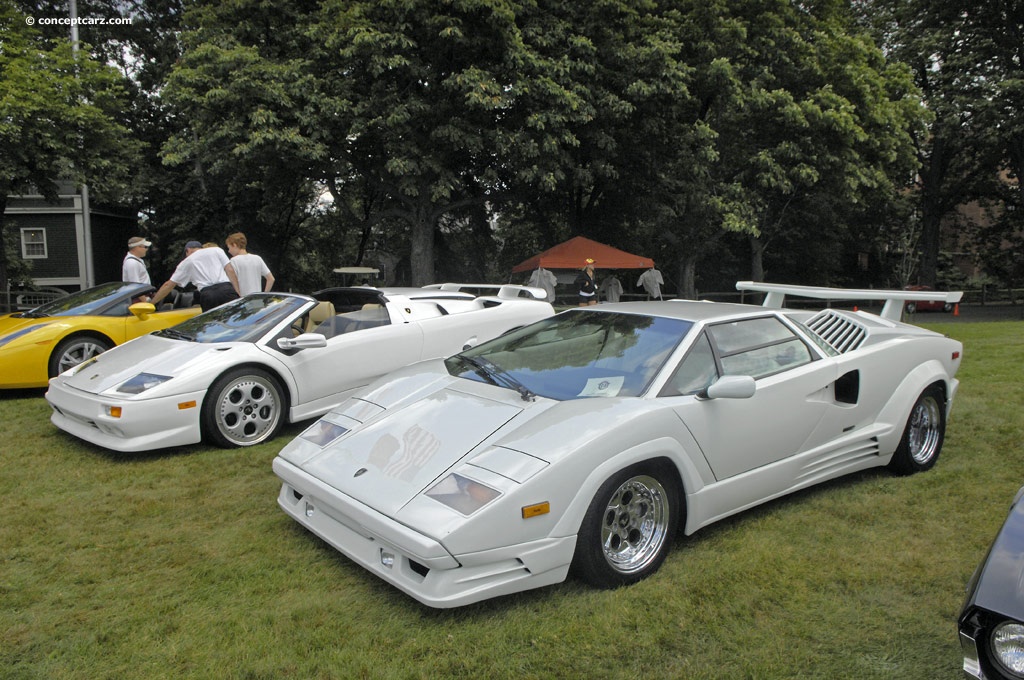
[33, 244]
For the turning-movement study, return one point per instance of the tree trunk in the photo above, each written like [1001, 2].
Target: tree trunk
[5, 299]
[688, 277]
[421, 255]
[756, 259]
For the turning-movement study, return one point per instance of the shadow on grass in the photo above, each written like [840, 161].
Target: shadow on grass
[285, 435]
[22, 393]
[553, 596]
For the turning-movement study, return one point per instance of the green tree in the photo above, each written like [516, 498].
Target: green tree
[60, 118]
[822, 122]
[966, 59]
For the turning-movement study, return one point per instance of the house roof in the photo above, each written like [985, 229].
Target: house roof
[572, 254]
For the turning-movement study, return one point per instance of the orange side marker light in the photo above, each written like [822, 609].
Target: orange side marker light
[536, 510]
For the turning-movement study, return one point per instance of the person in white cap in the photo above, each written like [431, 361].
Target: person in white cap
[133, 269]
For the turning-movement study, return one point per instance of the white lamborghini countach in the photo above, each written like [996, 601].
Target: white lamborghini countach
[585, 440]
[235, 374]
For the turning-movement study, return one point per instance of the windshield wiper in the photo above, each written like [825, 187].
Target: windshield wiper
[498, 376]
[32, 314]
[177, 335]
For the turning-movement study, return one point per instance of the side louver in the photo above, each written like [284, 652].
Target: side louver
[841, 332]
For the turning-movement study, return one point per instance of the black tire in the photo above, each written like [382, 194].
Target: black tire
[629, 527]
[243, 407]
[75, 350]
[948, 307]
[911, 308]
[922, 439]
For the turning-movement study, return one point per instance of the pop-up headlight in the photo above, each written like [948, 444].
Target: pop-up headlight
[142, 382]
[462, 494]
[323, 432]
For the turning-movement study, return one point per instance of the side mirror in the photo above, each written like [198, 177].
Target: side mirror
[142, 310]
[304, 341]
[730, 387]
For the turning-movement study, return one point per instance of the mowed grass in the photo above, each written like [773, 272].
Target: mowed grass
[181, 565]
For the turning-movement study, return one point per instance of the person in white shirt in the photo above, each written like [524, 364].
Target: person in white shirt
[133, 269]
[205, 268]
[246, 270]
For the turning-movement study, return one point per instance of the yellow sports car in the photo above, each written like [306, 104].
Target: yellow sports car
[42, 342]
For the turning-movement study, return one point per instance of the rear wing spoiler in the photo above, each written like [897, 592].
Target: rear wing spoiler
[892, 309]
[505, 291]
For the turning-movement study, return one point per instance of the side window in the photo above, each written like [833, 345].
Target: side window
[33, 244]
[758, 347]
[696, 371]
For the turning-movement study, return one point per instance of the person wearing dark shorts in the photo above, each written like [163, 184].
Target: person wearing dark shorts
[205, 268]
[586, 286]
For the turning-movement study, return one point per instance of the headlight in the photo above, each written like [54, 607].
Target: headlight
[142, 382]
[1008, 647]
[462, 494]
[323, 432]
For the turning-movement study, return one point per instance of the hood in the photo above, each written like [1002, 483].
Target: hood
[147, 354]
[997, 583]
[393, 459]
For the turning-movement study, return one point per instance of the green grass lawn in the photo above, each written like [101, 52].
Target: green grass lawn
[181, 565]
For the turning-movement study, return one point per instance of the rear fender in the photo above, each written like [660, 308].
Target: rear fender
[897, 410]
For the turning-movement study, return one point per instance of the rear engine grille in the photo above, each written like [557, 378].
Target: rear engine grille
[840, 332]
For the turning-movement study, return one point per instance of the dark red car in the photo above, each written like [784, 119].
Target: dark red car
[927, 305]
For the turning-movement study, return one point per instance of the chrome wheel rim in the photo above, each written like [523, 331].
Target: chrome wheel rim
[635, 524]
[77, 353]
[925, 430]
[248, 410]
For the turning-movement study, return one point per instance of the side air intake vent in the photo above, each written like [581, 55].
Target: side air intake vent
[841, 332]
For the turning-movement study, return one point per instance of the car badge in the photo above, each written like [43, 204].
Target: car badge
[360, 472]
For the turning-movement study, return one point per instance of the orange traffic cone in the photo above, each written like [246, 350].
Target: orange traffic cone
[956, 309]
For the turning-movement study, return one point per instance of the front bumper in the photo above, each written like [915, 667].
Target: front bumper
[411, 561]
[24, 366]
[144, 424]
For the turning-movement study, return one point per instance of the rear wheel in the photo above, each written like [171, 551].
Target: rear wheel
[923, 436]
[73, 351]
[629, 526]
[243, 407]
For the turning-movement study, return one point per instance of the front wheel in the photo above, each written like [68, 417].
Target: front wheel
[629, 526]
[923, 436]
[243, 407]
[73, 351]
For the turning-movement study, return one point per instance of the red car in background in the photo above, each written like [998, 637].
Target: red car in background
[926, 305]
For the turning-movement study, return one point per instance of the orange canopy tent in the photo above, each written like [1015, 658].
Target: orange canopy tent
[573, 254]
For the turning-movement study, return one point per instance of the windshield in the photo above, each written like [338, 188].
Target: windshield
[91, 301]
[246, 319]
[576, 354]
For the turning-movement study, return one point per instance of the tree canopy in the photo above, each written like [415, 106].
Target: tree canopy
[451, 138]
[61, 117]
